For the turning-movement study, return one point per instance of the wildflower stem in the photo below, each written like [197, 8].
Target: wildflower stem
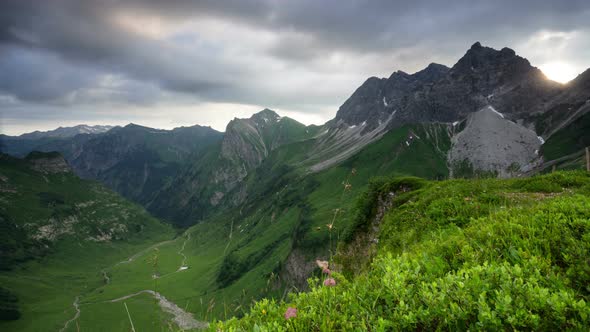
[129, 315]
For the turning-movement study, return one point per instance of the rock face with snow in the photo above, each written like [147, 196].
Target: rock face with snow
[492, 143]
[483, 76]
[374, 102]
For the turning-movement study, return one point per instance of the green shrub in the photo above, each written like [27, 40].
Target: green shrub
[459, 255]
[553, 182]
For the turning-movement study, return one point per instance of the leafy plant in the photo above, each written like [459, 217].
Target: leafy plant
[459, 255]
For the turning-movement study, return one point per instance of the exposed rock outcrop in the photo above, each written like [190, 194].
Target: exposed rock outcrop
[490, 142]
[48, 162]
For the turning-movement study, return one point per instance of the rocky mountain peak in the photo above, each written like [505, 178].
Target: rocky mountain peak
[432, 73]
[134, 126]
[398, 74]
[480, 59]
[476, 46]
[265, 117]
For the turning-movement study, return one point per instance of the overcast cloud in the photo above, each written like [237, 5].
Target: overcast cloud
[180, 62]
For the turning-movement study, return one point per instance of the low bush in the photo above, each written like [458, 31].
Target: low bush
[459, 255]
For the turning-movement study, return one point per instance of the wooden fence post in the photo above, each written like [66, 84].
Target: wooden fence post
[587, 159]
[553, 169]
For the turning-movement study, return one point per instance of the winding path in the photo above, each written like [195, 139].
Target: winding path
[76, 305]
[181, 252]
[183, 319]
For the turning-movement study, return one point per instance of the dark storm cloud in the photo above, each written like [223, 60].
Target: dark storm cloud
[66, 51]
[379, 25]
[82, 34]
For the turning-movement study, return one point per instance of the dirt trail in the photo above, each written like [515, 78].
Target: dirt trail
[183, 319]
[76, 305]
[183, 265]
[181, 252]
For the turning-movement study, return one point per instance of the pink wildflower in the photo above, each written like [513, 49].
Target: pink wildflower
[326, 271]
[290, 313]
[322, 264]
[330, 282]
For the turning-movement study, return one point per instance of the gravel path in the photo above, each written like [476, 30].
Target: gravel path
[182, 318]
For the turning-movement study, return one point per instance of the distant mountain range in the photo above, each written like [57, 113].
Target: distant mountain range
[498, 113]
[64, 132]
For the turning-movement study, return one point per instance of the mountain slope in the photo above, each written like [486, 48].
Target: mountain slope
[136, 161]
[206, 180]
[266, 244]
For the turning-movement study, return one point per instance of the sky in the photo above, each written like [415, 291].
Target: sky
[175, 63]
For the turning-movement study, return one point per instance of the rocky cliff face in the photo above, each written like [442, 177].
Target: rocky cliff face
[374, 102]
[248, 141]
[208, 179]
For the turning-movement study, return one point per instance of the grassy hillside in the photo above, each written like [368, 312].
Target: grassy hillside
[268, 245]
[249, 252]
[455, 255]
[58, 233]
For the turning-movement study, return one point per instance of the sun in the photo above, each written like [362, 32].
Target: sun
[559, 71]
